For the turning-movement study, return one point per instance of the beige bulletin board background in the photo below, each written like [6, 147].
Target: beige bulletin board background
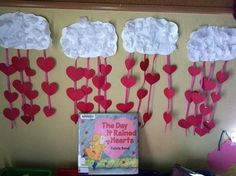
[52, 142]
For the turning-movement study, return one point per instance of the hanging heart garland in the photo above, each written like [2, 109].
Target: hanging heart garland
[10, 113]
[46, 64]
[168, 91]
[128, 81]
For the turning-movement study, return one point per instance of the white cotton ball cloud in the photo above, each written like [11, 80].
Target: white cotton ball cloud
[24, 31]
[212, 43]
[150, 36]
[89, 39]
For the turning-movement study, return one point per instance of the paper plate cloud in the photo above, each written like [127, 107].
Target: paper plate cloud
[89, 39]
[24, 31]
[212, 43]
[150, 36]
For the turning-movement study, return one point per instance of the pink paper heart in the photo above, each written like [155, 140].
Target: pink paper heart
[10, 96]
[86, 90]
[167, 117]
[105, 69]
[30, 72]
[141, 93]
[74, 73]
[208, 84]
[129, 63]
[89, 73]
[183, 124]
[22, 87]
[46, 64]
[169, 69]
[188, 95]
[31, 94]
[209, 124]
[99, 98]
[201, 131]
[169, 92]
[11, 114]
[75, 94]
[152, 78]
[144, 65]
[222, 76]
[197, 97]
[20, 63]
[125, 107]
[194, 71]
[118, 127]
[31, 110]
[215, 97]
[7, 70]
[194, 121]
[49, 88]
[74, 118]
[49, 111]
[26, 118]
[128, 81]
[146, 117]
[98, 81]
[85, 107]
[205, 110]
[106, 104]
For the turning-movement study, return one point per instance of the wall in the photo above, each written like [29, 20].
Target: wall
[52, 142]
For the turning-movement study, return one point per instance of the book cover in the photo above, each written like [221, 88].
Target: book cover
[108, 144]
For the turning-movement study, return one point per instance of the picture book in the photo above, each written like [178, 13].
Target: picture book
[108, 144]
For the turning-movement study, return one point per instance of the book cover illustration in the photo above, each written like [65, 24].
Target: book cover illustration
[108, 143]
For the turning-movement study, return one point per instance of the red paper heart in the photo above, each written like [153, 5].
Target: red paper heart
[208, 84]
[141, 93]
[183, 124]
[197, 97]
[98, 81]
[169, 92]
[31, 110]
[205, 109]
[144, 64]
[201, 131]
[106, 86]
[75, 94]
[85, 107]
[30, 72]
[221, 76]
[89, 73]
[22, 87]
[49, 88]
[152, 78]
[10, 96]
[194, 71]
[49, 111]
[215, 97]
[99, 98]
[27, 119]
[11, 114]
[169, 69]
[86, 90]
[129, 63]
[128, 81]
[188, 95]
[7, 70]
[146, 117]
[209, 124]
[46, 64]
[194, 121]
[105, 69]
[74, 118]
[31, 94]
[20, 63]
[106, 104]
[74, 73]
[167, 117]
[125, 107]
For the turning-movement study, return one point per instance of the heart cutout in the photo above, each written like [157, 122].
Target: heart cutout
[106, 86]
[31, 110]
[30, 72]
[98, 81]
[169, 69]
[7, 70]
[74, 118]
[208, 84]
[129, 63]
[167, 117]
[188, 95]
[89, 73]
[201, 131]
[205, 110]
[106, 104]
[49, 88]
[144, 65]
[49, 111]
[31, 94]
[75, 74]
[46, 64]
[26, 119]
[141, 93]
[85, 107]
[169, 92]
[183, 124]
[75, 94]
[22, 87]
[125, 107]
[209, 124]
[215, 97]
[128, 81]
[152, 78]
[87, 90]
[20, 64]
[194, 71]
[197, 97]
[222, 77]
[99, 98]
[109, 150]
[146, 117]
[11, 113]
[105, 69]
[10, 96]
[194, 121]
